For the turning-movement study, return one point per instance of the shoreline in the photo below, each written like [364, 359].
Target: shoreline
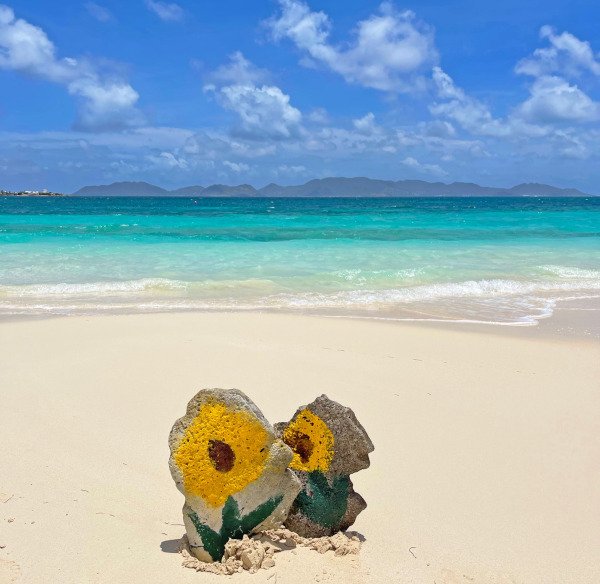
[485, 445]
[570, 319]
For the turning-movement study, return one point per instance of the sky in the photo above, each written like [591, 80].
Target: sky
[197, 92]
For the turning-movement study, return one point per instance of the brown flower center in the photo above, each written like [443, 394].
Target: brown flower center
[221, 455]
[301, 444]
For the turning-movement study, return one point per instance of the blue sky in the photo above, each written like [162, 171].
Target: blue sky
[285, 90]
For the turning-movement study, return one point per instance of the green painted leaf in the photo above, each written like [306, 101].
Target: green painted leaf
[327, 504]
[233, 526]
[211, 540]
[256, 517]
[318, 483]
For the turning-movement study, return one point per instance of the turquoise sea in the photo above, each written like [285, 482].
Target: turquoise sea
[505, 261]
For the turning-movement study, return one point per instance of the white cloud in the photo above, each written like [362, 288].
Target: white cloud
[572, 145]
[438, 129]
[342, 149]
[390, 49]
[432, 169]
[553, 99]
[169, 12]
[169, 160]
[100, 13]
[105, 105]
[287, 170]
[319, 116]
[210, 145]
[475, 117]
[264, 111]
[469, 113]
[236, 167]
[367, 125]
[342, 141]
[105, 102]
[239, 71]
[446, 88]
[567, 55]
[157, 138]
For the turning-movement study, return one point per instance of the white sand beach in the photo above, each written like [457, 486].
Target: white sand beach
[485, 467]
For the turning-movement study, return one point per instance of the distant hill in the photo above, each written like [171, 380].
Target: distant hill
[334, 187]
[123, 189]
[544, 190]
[227, 191]
[186, 191]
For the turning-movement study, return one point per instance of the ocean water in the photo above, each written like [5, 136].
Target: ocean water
[503, 261]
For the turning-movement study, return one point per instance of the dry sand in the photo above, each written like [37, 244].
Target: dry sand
[486, 468]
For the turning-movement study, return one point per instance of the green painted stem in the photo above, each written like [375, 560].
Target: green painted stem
[234, 526]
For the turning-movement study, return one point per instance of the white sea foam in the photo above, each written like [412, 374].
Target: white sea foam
[133, 288]
[570, 272]
[430, 292]
[93, 288]
[360, 276]
[499, 301]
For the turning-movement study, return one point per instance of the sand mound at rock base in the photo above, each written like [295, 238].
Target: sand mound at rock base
[256, 552]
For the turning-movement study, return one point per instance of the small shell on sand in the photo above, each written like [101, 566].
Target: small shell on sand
[256, 552]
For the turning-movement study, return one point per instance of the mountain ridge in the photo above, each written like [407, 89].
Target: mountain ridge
[332, 187]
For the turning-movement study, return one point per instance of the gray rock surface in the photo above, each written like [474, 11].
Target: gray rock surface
[329, 445]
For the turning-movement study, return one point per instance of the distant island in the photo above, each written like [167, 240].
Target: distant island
[332, 187]
[42, 193]
[323, 187]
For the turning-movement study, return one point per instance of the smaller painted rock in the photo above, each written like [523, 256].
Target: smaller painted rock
[232, 470]
[329, 445]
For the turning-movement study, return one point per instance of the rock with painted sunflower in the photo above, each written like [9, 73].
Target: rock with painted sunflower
[329, 445]
[232, 469]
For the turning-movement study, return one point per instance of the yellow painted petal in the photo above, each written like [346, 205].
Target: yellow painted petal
[217, 424]
[311, 440]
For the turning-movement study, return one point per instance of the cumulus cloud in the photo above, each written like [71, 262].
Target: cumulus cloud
[388, 53]
[319, 116]
[100, 13]
[432, 169]
[290, 170]
[104, 105]
[237, 167]
[169, 12]
[446, 88]
[438, 129]
[239, 71]
[572, 145]
[106, 102]
[367, 125]
[169, 160]
[210, 145]
[553, 98]
[566, 55]
[469, 113]
[263, 111]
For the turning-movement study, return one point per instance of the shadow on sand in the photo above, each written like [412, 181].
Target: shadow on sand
[170, 546]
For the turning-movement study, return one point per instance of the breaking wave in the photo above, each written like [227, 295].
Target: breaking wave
[498, 301]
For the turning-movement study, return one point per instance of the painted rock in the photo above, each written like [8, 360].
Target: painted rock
[329, 445]
[232, 469]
